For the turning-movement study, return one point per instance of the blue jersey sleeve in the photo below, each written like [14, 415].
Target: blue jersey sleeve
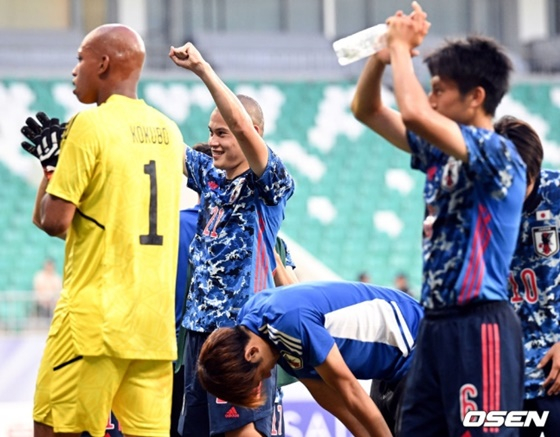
[318, 343]
[305, 343]
[198, 164]
[493, 158]
[424, 155]
[276, 184]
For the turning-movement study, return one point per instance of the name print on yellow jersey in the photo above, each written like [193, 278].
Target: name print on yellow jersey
[149, 134]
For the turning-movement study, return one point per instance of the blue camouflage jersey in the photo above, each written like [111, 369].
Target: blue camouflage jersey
[473, 211]
[535, 277]
[232, 251]
[374, 327]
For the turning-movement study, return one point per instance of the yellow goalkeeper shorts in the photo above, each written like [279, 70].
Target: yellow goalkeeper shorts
[76, 393]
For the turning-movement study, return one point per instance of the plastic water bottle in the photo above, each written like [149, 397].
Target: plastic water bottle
[360, 44]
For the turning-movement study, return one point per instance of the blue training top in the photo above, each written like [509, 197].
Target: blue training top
[374, 327]
[232, 252]
[535, 291]
[473, 212]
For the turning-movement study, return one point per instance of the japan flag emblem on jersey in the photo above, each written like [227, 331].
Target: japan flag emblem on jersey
[237, 190]
[543, 215]
[450, 175]
[294, 362]
[545, 240]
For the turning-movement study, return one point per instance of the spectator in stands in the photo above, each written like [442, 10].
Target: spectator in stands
[364, 277]
[534, 287]
[47, 285]
[337, 332]
[243, 189]
[401, 283]
[474, 189]
[114, 194]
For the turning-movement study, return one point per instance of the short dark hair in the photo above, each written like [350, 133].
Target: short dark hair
[203, 148]
[526, 141]
[472, 62]
[224, 371]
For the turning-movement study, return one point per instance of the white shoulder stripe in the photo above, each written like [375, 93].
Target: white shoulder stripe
[291, 343]
[372, 321]
[405, 329]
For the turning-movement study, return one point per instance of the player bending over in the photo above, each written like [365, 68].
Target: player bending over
[337, 333]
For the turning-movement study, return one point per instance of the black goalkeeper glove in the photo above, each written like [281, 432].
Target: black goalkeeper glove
[45, 137]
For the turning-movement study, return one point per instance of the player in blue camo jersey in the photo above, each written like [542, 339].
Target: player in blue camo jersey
[535, 279]
[337, 333]
[469, 354]
[243, 192]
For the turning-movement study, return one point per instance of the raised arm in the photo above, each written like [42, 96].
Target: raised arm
[340, 393]
[233, 112]
[367, 105]
[405, 32]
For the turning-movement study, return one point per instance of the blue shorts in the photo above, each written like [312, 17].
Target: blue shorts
[468, 358]
[552, 426]
[204, 415]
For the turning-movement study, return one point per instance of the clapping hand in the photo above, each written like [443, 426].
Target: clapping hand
[408, 29]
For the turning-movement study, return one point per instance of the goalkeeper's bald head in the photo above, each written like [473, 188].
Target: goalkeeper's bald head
[110, 60]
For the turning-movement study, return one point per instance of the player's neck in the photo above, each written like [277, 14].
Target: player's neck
[232, 173]
[482, 120]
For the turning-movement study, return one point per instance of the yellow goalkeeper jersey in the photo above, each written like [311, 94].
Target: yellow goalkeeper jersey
[121, 165]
